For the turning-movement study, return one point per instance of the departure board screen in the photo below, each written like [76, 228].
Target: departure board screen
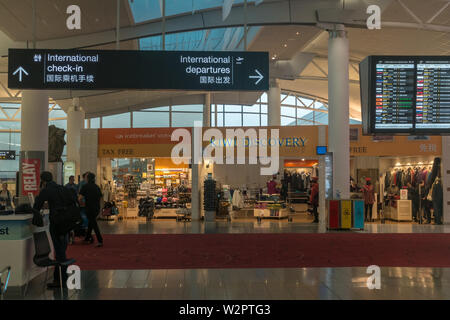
[394, 95]
[433, 95]
[405, 95]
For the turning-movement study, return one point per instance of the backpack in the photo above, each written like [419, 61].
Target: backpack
[68, 217]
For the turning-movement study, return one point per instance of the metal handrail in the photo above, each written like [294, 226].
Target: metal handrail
[3, 290]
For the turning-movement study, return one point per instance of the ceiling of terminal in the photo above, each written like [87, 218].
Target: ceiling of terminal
[409, 27]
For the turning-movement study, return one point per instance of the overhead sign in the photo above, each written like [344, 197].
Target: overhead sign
[7, 155]
[405, 94]
[121, 69]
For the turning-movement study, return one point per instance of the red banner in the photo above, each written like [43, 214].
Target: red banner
[31, 171]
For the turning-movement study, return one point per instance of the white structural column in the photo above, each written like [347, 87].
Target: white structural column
[207, 110]
[34, 122]
[196, 160]
[338, 110]
[322, 135]
[75, 123]
[274, 103]
[445, 172]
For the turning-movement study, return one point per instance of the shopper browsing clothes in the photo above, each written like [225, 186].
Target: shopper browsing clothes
[314, 197]
[426, 204]
[369, 199]
[92, 194]
[272, 186]
[413, 195]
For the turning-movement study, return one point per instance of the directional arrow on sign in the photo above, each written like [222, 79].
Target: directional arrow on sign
[259, 77]
[20, 70]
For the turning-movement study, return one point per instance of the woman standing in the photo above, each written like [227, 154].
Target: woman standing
[5, 196]
[92, 195]
[369, 199]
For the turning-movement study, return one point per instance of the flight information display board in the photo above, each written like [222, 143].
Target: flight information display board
[405, 95]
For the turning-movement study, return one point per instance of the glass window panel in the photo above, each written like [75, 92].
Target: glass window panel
[185, 119]
[7, 125]
[264, 120]
[254, 108]
[220, 119]
[288, 111]
[150, 119]
[302, 113]
[156, 109]
[213, 107]
[213, 119]
[286, 121]
[116, 121]
[189, 107]
[57, 114]
[263, 97]
[290, 100]
[251, 120]
[233, 120]
[264, 108]
[233, 108]
[307, 102]
[95, 123]
[59, 123]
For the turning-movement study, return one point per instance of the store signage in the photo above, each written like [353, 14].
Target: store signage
[7, 155]
[30, 176]
[125, 69]
[69, 170]
[405, 95]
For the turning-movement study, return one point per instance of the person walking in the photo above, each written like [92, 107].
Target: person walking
[314, 198]
[51, 193]
[71, 185]
[369, 199]
[92, 195]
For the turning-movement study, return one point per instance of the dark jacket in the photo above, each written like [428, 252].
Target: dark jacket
[52, 194]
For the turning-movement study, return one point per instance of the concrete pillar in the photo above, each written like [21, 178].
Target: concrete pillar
[75, 123]
[34, 122]
[207, 111]
[274, 103]
[196, 161]
[322, 137]
[338, 111]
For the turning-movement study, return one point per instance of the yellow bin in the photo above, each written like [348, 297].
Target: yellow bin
[346, 214]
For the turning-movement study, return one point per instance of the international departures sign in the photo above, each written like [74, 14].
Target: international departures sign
[123, 69]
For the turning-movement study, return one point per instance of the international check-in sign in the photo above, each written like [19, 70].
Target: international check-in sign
[110, 69]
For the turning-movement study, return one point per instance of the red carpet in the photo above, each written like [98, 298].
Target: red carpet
[185, 251]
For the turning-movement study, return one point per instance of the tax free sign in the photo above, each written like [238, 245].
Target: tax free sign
[121, 69]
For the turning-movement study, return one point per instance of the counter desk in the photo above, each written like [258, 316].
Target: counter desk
[17, 247]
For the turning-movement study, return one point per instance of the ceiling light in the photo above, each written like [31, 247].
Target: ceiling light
[297, 33]
[285, 45]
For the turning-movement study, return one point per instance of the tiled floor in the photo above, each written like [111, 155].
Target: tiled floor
[289, 284]
[304, 283]
[300, 224]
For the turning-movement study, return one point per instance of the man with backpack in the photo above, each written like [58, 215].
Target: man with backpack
[63, 216]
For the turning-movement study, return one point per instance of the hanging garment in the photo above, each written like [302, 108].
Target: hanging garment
[238, 199]
[437, 195]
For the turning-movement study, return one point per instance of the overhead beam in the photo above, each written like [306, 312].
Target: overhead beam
[283, 12]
